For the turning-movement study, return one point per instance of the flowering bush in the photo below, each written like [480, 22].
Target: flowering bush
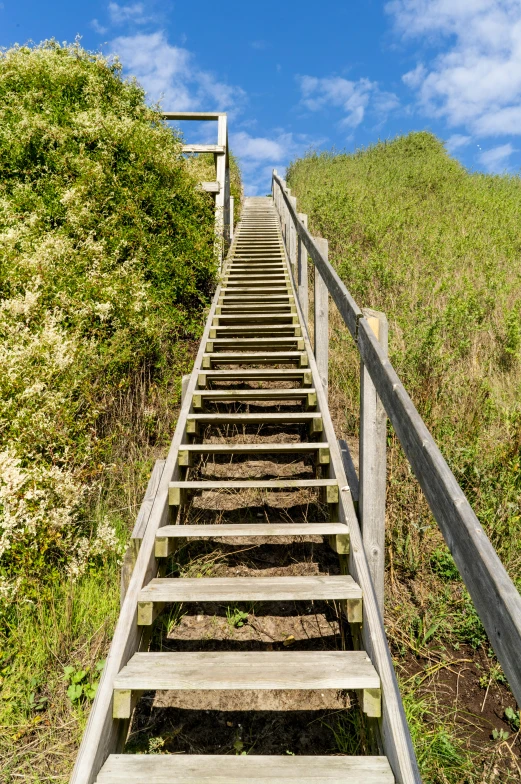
[107, 255]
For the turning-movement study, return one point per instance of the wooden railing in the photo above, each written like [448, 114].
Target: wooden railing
[220, 187]
[495, 597]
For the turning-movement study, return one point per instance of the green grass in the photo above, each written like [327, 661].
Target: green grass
[69, 626]
[435, 247]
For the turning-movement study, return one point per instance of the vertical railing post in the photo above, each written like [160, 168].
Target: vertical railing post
[221, 204]
[287, 220]
[321, 324]
[232, 218]
[373, 468]
[302, 271]
[293, 238]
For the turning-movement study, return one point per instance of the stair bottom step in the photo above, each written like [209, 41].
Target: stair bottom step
[195, 769]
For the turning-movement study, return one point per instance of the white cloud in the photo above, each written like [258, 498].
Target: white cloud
[456, 141]
[496, 159]
[170, 74]
[120, 14]
[415, 77]
[97, 27]
[352, 98]
[258, 155]
[476, 81]
[259, 148]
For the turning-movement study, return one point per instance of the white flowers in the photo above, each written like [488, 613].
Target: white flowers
[34, 499]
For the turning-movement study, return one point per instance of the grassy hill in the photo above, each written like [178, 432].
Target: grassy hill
[414, 234]
[106, 267]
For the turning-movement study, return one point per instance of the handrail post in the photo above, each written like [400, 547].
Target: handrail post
[292, 251]
[221, 204]
[287, 222]
[232, 206]
[302, 271]
[373, 463]
[321, 325]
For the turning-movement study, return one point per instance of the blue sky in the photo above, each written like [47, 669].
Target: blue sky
[295, 76]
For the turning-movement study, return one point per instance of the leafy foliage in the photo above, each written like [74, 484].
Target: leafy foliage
[107, 257]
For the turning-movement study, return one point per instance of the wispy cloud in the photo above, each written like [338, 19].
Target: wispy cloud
[351, 97]
[475, 82]
[496, 159]
[170, 74]
[97, 27]
[456, 141]
[121, 14]
[259, 154]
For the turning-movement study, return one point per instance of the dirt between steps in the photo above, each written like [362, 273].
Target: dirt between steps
[237, 722]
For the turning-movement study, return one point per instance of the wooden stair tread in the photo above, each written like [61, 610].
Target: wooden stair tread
[295, 417]
[247, 670]
[242, 484]
[238, 769]
[213, 394]
[252, 529]
[255, 589]
[268, 447]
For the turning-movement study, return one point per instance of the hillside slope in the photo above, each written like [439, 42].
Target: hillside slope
[413, 234]
[106, 267]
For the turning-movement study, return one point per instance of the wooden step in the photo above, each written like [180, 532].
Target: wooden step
[229, 395]
[309, 418]
[247, 343]
[263, 358]
[254, 307]
[258, 290]
[328, 487]
[277, 318]
[246, 330]
[166, 590]
[321, 450]
[169, 537]
[261, 297]
[246, 671]
[243, 279]
[239, 769]
[256, 374]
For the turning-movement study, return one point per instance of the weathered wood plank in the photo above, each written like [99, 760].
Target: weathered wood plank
[302, 272]
[321, 319]
[252, 529]
[350, 471]
[248, 670]
[373, 464]
[255, 589]
[216, 149]
[229, 769]
[192, 115]
[210, 187]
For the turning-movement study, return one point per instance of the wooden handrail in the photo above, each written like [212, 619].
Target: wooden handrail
[493, 593]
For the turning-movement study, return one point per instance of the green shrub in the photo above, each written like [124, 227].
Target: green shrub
[107, 259]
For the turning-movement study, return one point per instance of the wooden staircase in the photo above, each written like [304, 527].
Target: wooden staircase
[255, 373]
